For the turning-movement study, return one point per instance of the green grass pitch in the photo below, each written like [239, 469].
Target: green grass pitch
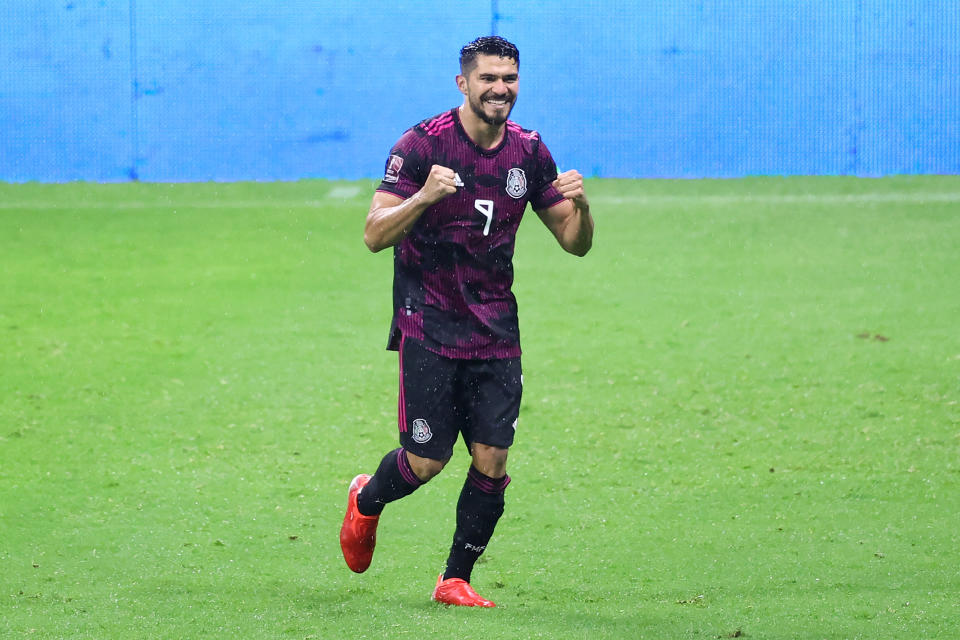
[740, 417]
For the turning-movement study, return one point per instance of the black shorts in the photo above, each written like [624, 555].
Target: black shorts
[441, 398]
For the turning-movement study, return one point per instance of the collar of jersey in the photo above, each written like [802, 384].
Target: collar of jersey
[463, 133]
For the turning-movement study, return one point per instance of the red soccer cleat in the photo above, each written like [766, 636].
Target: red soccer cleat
[458, 592]
[358, 535]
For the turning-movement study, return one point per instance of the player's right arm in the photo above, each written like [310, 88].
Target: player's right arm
[391, 217]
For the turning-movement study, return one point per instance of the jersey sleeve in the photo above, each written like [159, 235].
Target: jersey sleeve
[545, 195]
[403, 174]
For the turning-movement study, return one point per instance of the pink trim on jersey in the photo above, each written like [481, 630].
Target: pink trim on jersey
[435, 126]
[515, 128]
[491, 352]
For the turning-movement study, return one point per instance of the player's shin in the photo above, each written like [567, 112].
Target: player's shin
[394, 479]
[478, 510]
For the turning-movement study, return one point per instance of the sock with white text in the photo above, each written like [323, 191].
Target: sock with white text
[478, 510]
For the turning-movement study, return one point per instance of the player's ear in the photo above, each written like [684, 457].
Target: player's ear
[462, 84]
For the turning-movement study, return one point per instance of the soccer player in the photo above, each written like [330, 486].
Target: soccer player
[452, 196]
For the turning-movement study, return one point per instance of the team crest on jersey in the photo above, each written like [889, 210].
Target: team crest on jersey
[393, 169]
[516, 183]
[421, 431]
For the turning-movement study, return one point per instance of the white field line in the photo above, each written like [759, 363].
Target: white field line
[36, 205]
[174, 205]
[830, 199]
[347, 193]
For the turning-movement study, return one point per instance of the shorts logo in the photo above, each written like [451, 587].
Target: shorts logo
[516, 183]
[393, 169]
[421, 431]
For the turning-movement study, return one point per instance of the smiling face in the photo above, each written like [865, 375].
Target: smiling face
[490, 88]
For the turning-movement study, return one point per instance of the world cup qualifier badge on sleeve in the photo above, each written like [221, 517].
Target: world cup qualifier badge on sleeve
[392, 174]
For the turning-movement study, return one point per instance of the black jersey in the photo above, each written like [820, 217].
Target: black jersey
[453, 271]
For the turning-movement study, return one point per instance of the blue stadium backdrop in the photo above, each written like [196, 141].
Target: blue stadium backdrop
[193, 90]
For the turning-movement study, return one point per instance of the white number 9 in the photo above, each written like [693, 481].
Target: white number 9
[485, 207]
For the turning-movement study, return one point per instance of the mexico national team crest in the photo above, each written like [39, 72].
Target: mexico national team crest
[421, 431]
[516, 183]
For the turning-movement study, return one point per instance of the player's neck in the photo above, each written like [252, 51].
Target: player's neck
[484, 135]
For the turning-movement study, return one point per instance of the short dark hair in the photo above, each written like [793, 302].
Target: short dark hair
[488, 46]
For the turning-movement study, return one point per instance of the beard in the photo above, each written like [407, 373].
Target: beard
[477, 106]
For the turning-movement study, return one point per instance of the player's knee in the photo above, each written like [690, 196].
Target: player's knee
[425, 468]
[488, 460]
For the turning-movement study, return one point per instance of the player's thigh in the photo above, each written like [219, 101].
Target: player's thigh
[490, 393]
[427, 421]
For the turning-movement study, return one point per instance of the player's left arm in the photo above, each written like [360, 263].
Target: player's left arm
[570, 219]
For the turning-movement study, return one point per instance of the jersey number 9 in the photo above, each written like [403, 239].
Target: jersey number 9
[485, 207]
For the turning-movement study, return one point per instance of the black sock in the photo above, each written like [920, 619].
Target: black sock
[393, 480]
[479, 508]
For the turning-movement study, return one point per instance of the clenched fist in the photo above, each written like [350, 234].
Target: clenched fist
[440, 184]
[570, 186]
